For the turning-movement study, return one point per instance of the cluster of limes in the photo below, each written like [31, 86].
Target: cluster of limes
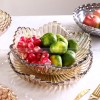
[62, 51]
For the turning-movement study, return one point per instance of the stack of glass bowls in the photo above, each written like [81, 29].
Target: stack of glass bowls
[52, 74]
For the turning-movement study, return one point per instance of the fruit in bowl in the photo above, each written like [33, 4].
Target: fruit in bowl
[57, 71]
[56, 60]
[50, 48]
[83, 11]
[48, 39]
[68, 58]
[29, 49]
[97, 12]
[58, 47]
[92, 20]
[73, 45]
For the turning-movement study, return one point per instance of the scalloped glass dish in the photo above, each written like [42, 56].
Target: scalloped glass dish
[79, 14]
[49, 73]
[5, 21]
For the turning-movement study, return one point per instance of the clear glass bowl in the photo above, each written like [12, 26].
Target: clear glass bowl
[5, 21]
[80, 13]
[50, 73]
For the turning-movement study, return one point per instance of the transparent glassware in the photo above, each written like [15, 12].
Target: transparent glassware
[50, 73]
[5, 21]
[80, 13]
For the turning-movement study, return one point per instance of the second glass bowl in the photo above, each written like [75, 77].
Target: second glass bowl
[79, 15]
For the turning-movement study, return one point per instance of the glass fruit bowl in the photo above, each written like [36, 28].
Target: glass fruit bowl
[5, 21]
[79, 15]
[48, 72]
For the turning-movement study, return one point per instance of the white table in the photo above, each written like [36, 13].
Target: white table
[26, 91]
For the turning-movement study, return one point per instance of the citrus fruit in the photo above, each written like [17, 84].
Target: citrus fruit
[48, 38]
[56, 60]
[61, 38]
[58, 47]
[68, 58]
[73, 45]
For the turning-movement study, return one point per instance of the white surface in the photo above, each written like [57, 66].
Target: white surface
[42, 7]
[26, 91]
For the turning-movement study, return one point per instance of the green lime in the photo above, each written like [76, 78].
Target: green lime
[61, 38]
[58, 47]
[73, 45]
[48, 38]
[68, 58]
[56, 60]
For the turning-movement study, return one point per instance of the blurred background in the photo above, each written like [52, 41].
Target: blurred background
[42, 7]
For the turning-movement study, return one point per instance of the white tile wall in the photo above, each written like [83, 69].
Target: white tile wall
[41, 7]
